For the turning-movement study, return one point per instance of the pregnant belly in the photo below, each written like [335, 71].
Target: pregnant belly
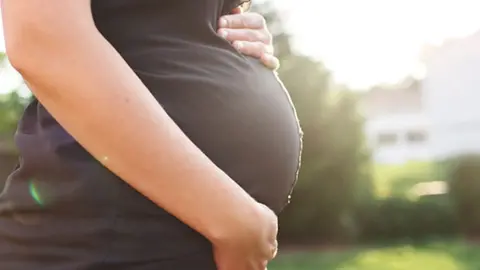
[240, 117]
[243, 121]
[238, 114]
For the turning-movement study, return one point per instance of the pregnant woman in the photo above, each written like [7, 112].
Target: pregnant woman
[153, 143]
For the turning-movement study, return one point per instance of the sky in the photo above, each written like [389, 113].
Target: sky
[365, 42]
[368, 42]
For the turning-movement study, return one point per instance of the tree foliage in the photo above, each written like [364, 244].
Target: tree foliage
[464, 186]
[11, 107]
[334, 175]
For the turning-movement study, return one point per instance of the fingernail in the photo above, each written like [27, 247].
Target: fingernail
[271, 61]
[222, 22]
[223, 33]
[268, 58]
[238, 45]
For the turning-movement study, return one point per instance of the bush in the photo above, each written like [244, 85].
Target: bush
[464, 186]
[397, 180]
[402, 219]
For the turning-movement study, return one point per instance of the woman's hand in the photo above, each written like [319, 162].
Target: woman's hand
[252, 252]
[248, 33]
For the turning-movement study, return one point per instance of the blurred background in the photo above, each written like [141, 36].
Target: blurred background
[386, 92]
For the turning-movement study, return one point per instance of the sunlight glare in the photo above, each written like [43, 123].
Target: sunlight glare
[366, 42]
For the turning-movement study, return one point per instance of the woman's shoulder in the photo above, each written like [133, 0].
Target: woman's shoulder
[244, 4]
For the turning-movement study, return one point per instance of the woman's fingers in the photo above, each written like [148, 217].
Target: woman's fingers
[275, 249]
[239, 20]
[258, 50]
[270, 61]
[245, 34]
[249, 34]
[254, 49]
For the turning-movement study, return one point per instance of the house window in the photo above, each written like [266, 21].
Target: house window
[416, 136]
[387, 139]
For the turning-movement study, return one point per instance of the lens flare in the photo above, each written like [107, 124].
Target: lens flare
[35, 193]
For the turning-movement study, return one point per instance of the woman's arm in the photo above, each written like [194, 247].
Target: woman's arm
[92, 92]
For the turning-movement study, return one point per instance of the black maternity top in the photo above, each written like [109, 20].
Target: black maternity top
[62, 210]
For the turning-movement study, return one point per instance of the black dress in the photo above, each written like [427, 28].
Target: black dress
[61, 209]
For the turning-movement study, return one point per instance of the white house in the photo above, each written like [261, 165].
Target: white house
[433, 119]
[451, 94]
[397, 128]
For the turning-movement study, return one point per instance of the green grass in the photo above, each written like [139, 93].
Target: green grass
[435, 256]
